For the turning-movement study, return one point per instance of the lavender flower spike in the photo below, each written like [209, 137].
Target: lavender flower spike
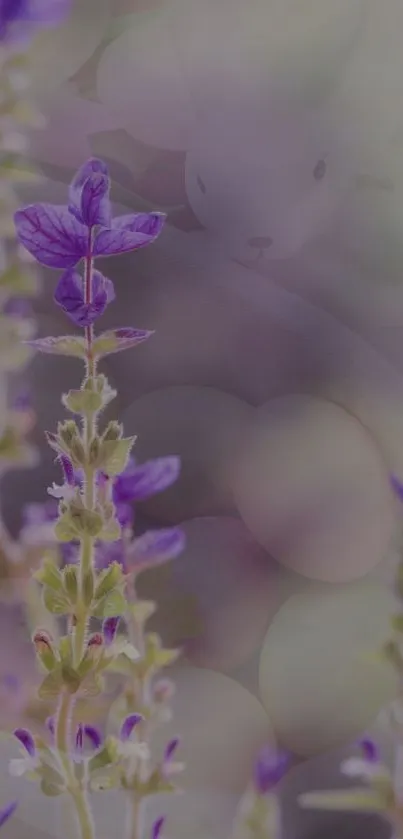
[7, 811]
[270, 768]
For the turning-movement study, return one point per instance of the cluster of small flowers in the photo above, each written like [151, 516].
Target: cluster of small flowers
[19, 21]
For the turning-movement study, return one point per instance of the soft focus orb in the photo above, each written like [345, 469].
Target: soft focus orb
[142, 80]
[217, 598]
[221, 726]
[266, 183]
[313, 489]
[56, 55]
[204, 427]
[320, 678]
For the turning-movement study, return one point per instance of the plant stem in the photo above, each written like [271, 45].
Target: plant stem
[134, 816]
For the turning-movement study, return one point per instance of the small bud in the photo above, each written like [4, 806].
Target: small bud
[70, 582]
[77, 452]
[68, 431]
[109, 629]
[44, 648]
[114, 431]
[86, 522]
[95, 643]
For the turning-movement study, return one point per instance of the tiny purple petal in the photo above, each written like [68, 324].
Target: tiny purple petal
[108, 552]
[137, 483]
[270, 768]
[68, 470]
[26, 739]
[124, 515]
[128, 233]
[7, 812]
[156, 547]
[51, 234]
[79, 736]
[94, 736]
[129, 724]
[89, 194]
[397, 486]
[109, 628]
[171, 749]
[369, 749]
[157, 827]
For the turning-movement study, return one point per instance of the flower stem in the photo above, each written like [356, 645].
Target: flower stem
[134, 816]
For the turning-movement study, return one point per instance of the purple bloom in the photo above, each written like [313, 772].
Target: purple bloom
[269, 769]
[171, 749]
[68, 470]
[7, 812]
[109, 629]
[70, 295]
[157, 827]
[60, 236]
[128, 725]
[89, 194]
[23, 400]
[156, 547]
[36, 514]
[91, 733]
[21, 18]
[108, 552]
[26, 739]
[369, 749]
[137, 483]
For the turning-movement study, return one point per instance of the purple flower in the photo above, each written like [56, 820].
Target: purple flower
[91, 733]
[171, 749]
[89, 194]
[60, 236]
[157, 827]
[19, 19]
[36, 514]
[70, 295]
[269, 769]
[369, 749]
[137, 483]
[155, 547]
[109, 629]
[128, 725]
[108, 552]
[7, 812]
[26, 739]
[23, 400]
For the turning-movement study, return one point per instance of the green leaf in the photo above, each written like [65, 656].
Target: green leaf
[112, 532]
[51, 790]
[65, 649]
[115, 455]
[397, 622]
[64, 530]
[51, 686]
[49, 573]
[71, 345]
[83, 402]
[112, 605]
[70, 582]
[56, 604]
[352, 800]
[108, 580]
[105, 757]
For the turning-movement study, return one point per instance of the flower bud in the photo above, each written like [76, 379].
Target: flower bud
[44, 648]
[70, 582]
[68, 431]
[114, 431]
[93, 453]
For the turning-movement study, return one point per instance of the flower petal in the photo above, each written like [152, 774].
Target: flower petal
[129, 724]
[140, 482]
[93, 735]
[271, 765]
[26, 739]
[109, 628]
[51, 234]
[70, 296]
[116, 340]
[171, 749]
[157, 827]
[156, 547]
[7, 811]
[370, 750]
[89, 194]
[128, 233]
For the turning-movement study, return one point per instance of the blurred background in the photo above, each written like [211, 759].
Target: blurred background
[271, 133]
